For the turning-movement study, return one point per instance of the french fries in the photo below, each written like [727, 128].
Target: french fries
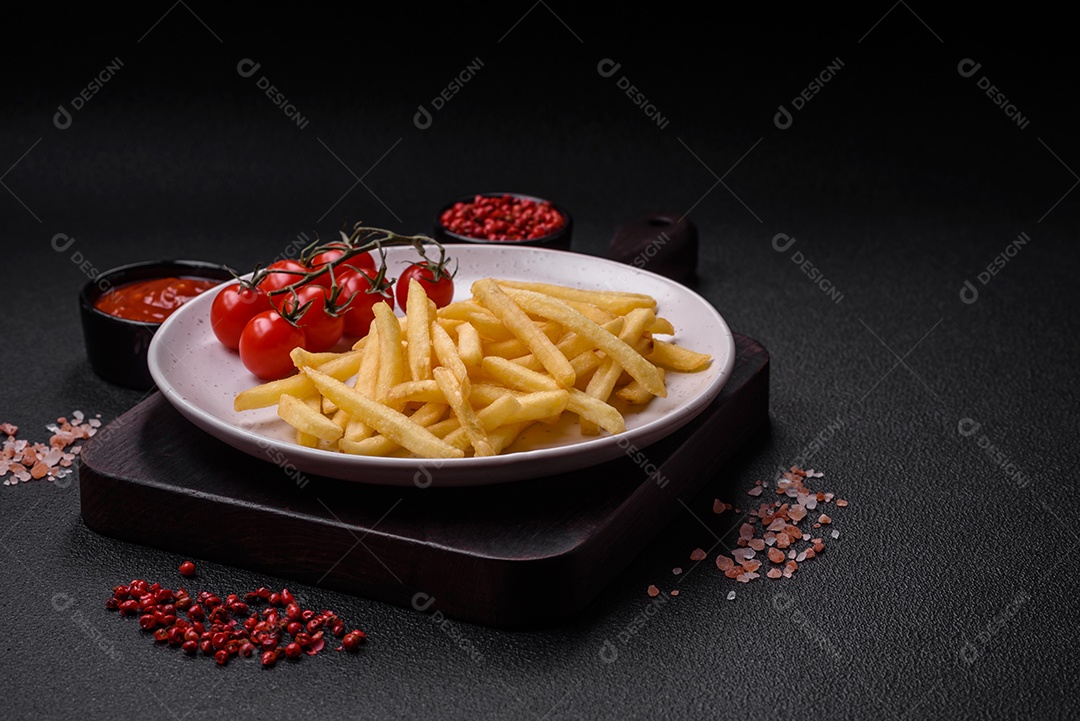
[469, 378]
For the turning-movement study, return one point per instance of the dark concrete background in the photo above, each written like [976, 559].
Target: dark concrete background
[951, 589]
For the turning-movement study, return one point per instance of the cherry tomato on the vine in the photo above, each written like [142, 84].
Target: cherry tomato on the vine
[233, 307]
[295, 271]
[322, 331]
[441, 291]
[361, 293]
[266, 343]
[362, 261]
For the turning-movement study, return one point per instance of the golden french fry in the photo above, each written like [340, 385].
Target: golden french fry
[514, 318]
[539, 405]
[585, 363]
[306, 439]
[481, 394]
[586, 406]
[418, 311]
[489, 418]
[392, 369]
[512, 348]
[615, 302]
[634, 363]
[385, 420]
[268, 394]
[594, 313]
[366, 377]
[603, 380]
[502, 437]
[447, 353]
[678, 358]
[662, 326]
[516, 376]
[468, 343]
[426, 415]
[488, 325]
[307, 358]
[460, 309]
[634, 393]
[304, 418]
[415, 391]
[571, 345]
[450, 385]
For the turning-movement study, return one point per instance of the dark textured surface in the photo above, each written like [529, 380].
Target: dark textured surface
[950, 592]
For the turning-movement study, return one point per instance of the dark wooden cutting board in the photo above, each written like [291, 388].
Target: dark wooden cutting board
[512, 555]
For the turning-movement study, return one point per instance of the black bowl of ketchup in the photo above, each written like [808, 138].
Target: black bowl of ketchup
[122, 308]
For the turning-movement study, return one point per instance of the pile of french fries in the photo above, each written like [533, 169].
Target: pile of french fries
[468, 378]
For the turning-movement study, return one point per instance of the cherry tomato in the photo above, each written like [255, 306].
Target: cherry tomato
[363, 262]
[265, 345]
[233, 307]
[441, 291]
[274, 281]
[322, 331]
[359, 289]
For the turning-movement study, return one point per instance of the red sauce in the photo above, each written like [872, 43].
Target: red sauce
[151, 301]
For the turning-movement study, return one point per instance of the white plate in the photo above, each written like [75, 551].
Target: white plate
[200, 377]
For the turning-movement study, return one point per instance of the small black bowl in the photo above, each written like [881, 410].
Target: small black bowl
[116, 347]
[559, 240]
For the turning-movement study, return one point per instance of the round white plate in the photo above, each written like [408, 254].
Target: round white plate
[200, 377]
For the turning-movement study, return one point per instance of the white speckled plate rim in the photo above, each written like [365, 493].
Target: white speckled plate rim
[200, 378]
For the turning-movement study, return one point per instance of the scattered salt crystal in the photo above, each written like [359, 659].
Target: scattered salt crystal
[824, 519]
[95, 423]
[758, 544]
[743, 554]
[676, 570]
[731, 596]
[674, 592]
[835, 533]
[841, 503]
[78, 415]
[774, 573]
[801, 557]
[777, 525]
[653, 591]
[755, 491]
[697, 554]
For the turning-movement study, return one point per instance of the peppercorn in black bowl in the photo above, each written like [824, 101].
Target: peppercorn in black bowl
[504, 218]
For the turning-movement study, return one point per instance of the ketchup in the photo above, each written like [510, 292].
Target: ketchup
[151, 301]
